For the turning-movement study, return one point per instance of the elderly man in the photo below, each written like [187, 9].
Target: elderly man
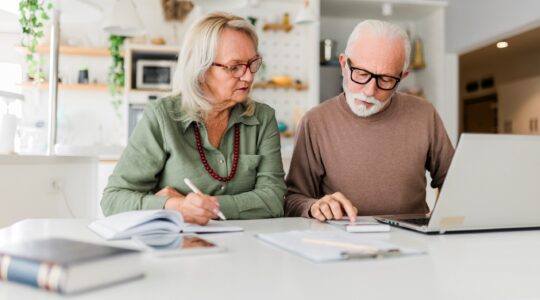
[366, 151]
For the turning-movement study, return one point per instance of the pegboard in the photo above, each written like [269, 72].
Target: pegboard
[294, 53]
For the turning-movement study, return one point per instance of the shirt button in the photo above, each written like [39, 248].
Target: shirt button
[222, 161]
[222, 188]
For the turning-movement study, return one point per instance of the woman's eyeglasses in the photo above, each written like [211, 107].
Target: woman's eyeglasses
[238, 70]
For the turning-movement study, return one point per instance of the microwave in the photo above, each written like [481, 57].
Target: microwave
[155, 74]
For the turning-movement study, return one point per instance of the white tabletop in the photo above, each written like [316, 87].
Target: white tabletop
[492, 265]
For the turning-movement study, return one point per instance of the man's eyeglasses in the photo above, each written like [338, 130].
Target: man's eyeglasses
[239, 70]
[384, 82]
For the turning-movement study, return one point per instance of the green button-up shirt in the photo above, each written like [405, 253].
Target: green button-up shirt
[162, 152]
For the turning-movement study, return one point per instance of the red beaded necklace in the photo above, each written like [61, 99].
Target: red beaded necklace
[203, 156]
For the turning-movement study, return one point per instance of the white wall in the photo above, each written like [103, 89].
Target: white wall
[471, 24]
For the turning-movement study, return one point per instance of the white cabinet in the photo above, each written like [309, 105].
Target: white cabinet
[519, 106]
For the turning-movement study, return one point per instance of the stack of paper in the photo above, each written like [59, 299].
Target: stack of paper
[323, 246]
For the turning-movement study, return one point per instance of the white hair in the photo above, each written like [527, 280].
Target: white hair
[381, 28]
[196, 57]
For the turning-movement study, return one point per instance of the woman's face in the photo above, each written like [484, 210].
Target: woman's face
[220, 86]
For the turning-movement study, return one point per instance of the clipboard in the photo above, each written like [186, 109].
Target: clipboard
[356, 251]
[327, 246]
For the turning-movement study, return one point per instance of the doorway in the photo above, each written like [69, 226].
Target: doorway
[481, 114]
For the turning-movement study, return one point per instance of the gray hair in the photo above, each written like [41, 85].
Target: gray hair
[196, 57]
[381, 28]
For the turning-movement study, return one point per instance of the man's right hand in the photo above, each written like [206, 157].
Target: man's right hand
[333, 207]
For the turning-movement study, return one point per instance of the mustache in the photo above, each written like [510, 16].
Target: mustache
[363, 97]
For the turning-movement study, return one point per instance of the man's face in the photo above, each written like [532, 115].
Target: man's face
[378, 55]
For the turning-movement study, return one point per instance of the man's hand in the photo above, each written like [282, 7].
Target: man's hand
[332, 207]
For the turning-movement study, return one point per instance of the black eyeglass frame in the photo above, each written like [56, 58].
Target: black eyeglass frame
[245, 66]
[373, 75]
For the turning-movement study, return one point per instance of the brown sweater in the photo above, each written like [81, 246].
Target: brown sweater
[378, 162]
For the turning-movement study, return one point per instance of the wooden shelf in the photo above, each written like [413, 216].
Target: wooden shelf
[270, 85]
[150, 91]
[153, 48]
[97, 87]
[277, 27]
[70, 50]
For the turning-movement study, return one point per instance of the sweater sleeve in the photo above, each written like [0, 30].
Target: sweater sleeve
[440, 153]
[136, 175]
[305, 173]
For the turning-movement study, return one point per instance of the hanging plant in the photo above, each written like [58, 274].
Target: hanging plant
[34, 13]
[116, 72]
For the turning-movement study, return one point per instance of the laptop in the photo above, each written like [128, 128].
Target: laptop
[493, 183]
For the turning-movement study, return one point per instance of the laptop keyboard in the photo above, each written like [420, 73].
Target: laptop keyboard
[419, 221]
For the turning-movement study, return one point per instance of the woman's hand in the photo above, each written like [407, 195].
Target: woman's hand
[169, 192]
[195, 208]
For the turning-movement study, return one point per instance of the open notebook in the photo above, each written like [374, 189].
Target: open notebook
[141, 222]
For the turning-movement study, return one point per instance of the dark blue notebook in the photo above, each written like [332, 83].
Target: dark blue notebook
[67, 266]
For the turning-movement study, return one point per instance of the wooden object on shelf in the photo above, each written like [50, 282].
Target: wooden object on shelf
[270, 85]
[70, 50]
[69, 86]
[277, 27]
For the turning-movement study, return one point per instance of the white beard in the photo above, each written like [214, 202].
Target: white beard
[360, 109]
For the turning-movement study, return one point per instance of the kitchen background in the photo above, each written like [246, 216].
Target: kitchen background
[475, 86]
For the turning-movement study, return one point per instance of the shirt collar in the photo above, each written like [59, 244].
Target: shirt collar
[235, 117]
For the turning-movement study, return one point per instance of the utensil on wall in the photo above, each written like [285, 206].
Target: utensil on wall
[327, 51]
[418, 62]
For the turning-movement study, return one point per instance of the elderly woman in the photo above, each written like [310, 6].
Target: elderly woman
[210, 132]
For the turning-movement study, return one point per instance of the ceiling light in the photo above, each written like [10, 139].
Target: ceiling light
[123, 20]
[502, 45]
[306, 15]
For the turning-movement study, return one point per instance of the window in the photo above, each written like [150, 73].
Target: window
[10, 80]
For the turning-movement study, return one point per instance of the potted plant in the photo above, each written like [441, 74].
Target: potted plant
[34, 13]
[116, 71]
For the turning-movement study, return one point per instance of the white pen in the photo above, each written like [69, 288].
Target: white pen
[197, 191]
